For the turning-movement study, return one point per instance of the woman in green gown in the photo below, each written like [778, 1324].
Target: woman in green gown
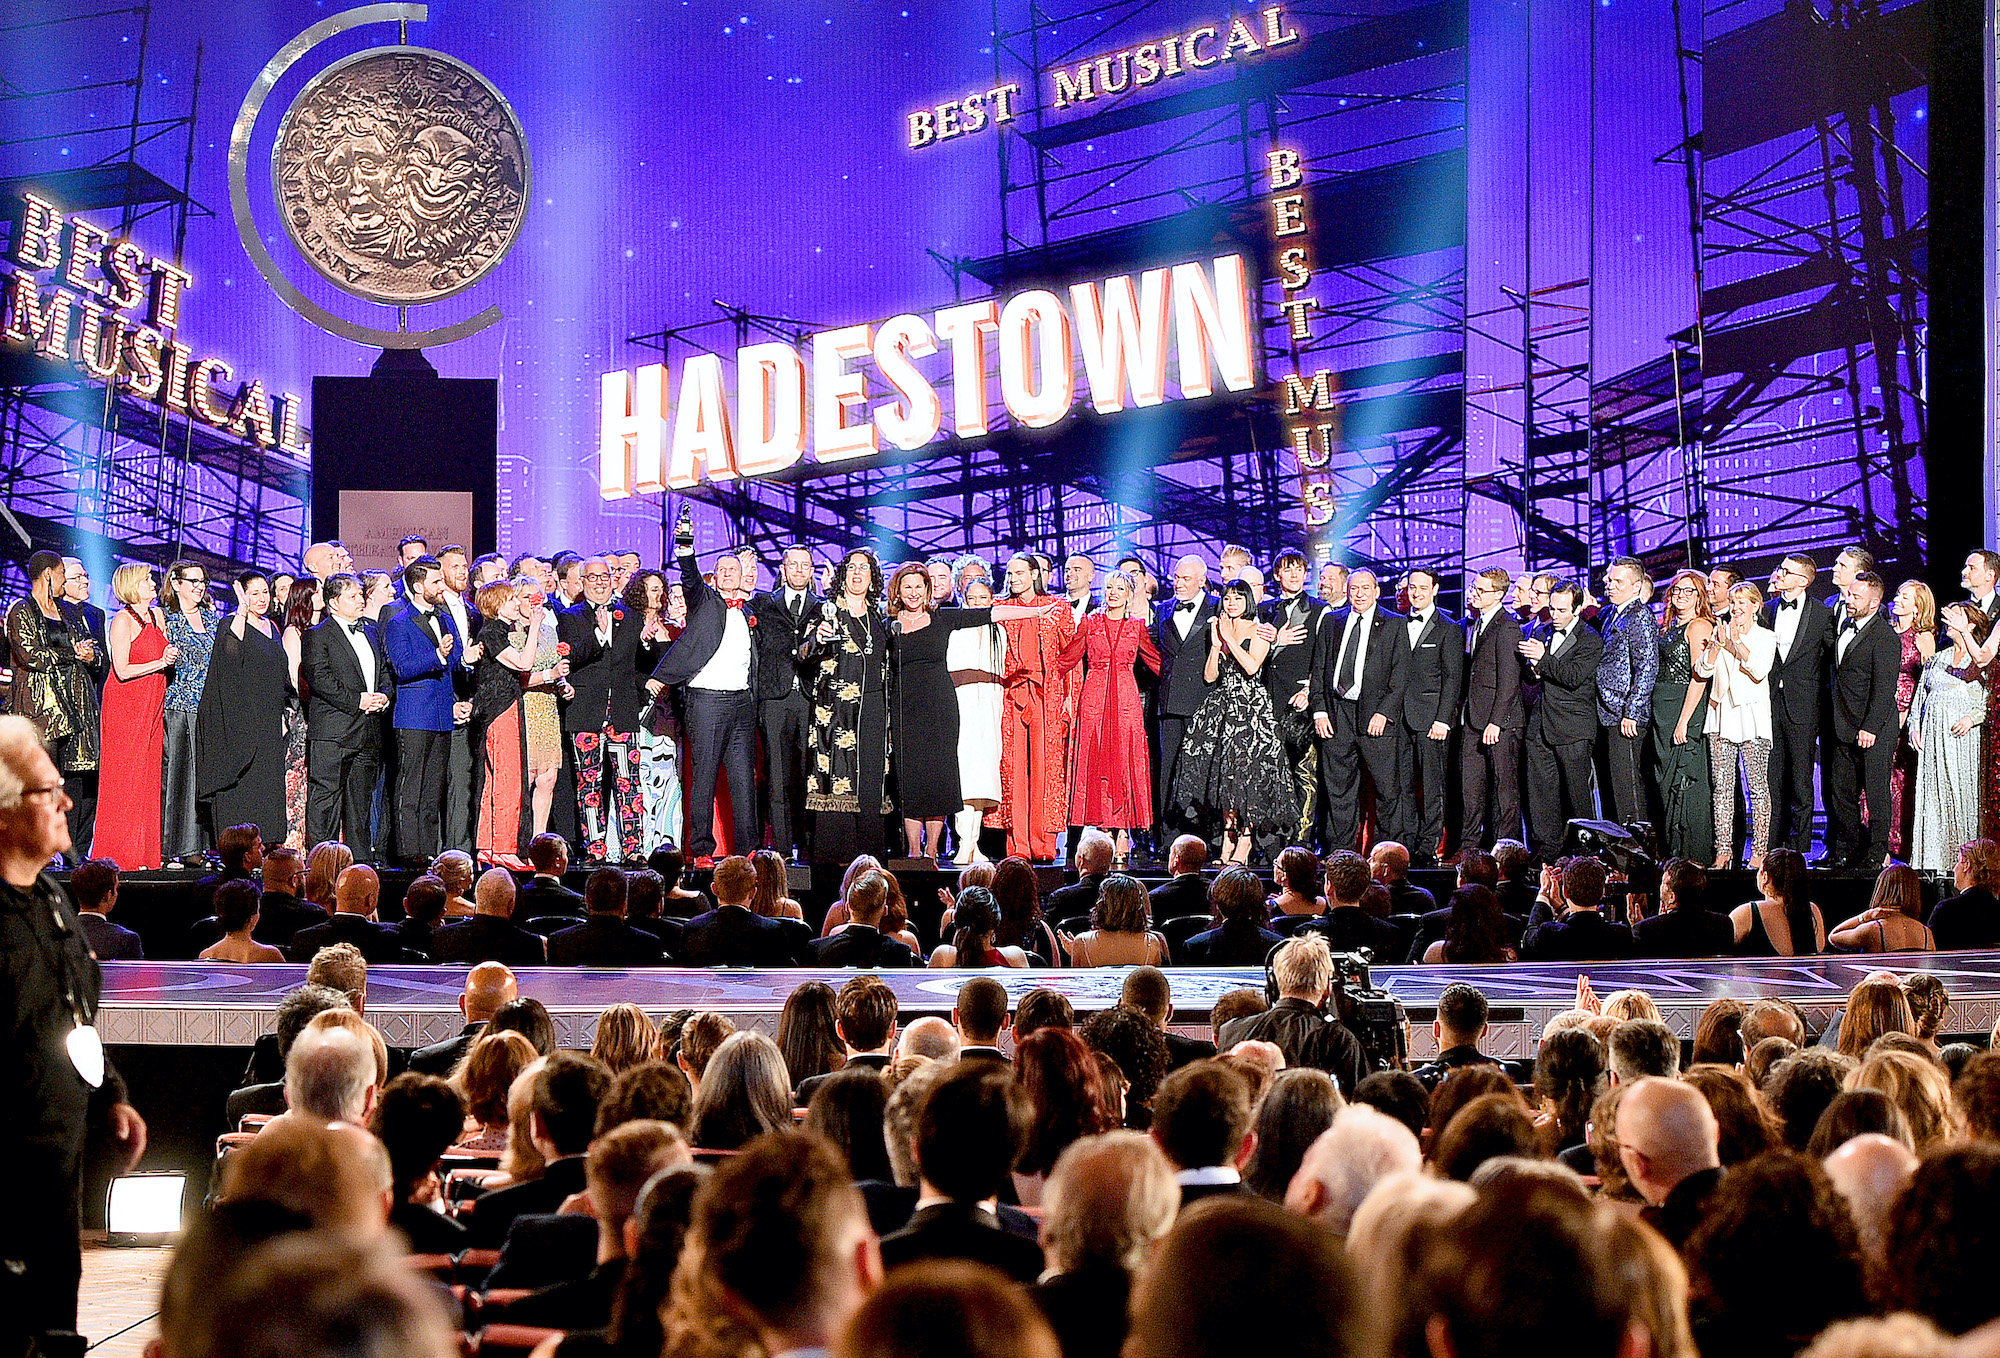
[1680, 745]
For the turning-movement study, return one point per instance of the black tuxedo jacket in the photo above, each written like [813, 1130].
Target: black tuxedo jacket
[605, 677]
[1288, 669]
[1969, 920]
[89, 619]
[861, 945]
[605, 941]
[707, 614]
[1078, 898]
[280, 916]
[378, 942]
[1179, 896]
[540, 896]
[495, 1212]
[442, 1058]
[334, 684]
[1383, 670]
[778, 639]
[950, 1230]
[860, 1061]
[487, 938]
[1864, 683]
[544, 1248]
[1436, 674]
[732, 936]
[1234, 944]
[1798, 680]
[1182, 662]
[1493, 695]
[1567, 712]
[1685, 932]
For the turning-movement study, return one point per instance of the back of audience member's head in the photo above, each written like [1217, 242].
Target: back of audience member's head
[778, 1254]
[1744, 1125]
[1718, 1033]
[1774, 1258]
[981, 1010]
[1397, 1094]
[336, 1175]
[1201, 1115]
[1462, 1014]
[654, 1234]
[744, 1093]
[867, 899]
[1232, 1005]
[1287, 1118]
[1583, 883]
[948, 1308]
[1929, 1001]
[930, 1037]
[1858, 1112]
[604, 892]
[236, 904]
[807, 1036]
[330, 1074]
[1943, 1238]
[495, 893]
[1271, 1264]
[1875, 1007]
[1919, 1088]
[215, 1242]
[1462, 1086]
[1237, 896]
[487, 1072]
[624, 1038]
[1761, 1060]
[971, 1126]
[734, 882]
[530, 1018]
[378, 1045]
[865, 1013]
[547, 853]
[340, 966]
[1256, 1061]
[1490, 1125]
[1346, 1162]
[1479, 868]
[652, 1091]
[424, 902]
[1059, 1075]
[1870, 1172]
[644, 893]
[301, 1006]
[1345, 874]
[567, 1090]
[623, 1161]
[1976, 1091]
[899, 1119]
[314, 1294]
[1899, 1336]
[1387, 1229]
[1642, 1047]
[522, 1160]
[1800, 1088]
[1109, 1198]
[324, 864]
[416, 1120]
[1771, 1018]
[1567, 1070]
[1500, 1169]
[1631, 1004]
[1148, 990]
[847, 1109]
[701, 1037]
[1136, 1043]
[1042, 1008]
[1297, 870]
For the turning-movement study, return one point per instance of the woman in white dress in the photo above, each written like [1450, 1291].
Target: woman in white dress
[977, 657]
[1736, 660]
[1945, 717]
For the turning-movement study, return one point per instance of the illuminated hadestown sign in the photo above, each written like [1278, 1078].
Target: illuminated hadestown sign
[82, 316]
[655, 433]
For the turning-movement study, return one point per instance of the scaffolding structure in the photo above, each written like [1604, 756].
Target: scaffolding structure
[86, 468]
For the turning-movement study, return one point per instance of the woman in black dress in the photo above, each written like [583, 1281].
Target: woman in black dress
[240, 726]
[923, 714]
[847, 672]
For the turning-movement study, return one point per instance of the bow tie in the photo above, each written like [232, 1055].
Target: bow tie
[1784, 604]
[1849, 624]
[732, 603]
[360, 629]
[1187, 607]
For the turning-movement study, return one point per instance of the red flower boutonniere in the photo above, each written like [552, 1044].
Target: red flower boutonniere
[562, 649]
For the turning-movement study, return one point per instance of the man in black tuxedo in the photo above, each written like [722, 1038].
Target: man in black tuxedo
[1577, 930]
[1494, 714]
[355, 894]
[1148, 990]
[1201, 1119]
[1866, 656]
[491, 934]
[1294, 618]
[280, 912]
[1184, 892]
[970, 1130]
[544, 892]
[1683, 927]
[1080, 587]
[601, 716]
[1981, 578]
[604, 939]
[862, 943]
[1359, 666]
[1804, 628]
[1431, 696]
[487, 986]
[785, 616]
[1180, 634]
[1562, 656]
[349, 687]
[730, 935]
[714, 664]
[864, 1018]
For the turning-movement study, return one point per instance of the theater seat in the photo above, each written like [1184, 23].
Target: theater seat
[1179, 930]
[509, 1341]
[440, 1266]
[549, 924]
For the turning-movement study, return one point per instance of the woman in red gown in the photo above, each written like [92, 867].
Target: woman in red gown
[1034, 749]
[1112, 784]
[135, 732]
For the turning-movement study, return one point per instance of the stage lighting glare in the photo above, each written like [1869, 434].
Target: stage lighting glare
[144, 1208]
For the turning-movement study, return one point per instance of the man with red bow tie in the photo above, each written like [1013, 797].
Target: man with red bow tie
[603, 715]
[714, 664]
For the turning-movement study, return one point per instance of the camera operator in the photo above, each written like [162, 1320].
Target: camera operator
[1299, 1024]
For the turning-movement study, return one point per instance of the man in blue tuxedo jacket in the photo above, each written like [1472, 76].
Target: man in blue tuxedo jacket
[1625, 675]
[421, 640]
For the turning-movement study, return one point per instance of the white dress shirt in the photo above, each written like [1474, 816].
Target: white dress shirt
[728, 670]
[1366, 622]
[1418, 622]
[1848, 634]
[1185, 620]
[363, 652]
[1787, 624]
[455, 604]
[1207, 1175]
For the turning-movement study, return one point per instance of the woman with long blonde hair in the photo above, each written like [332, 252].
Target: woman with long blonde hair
[1680, 721]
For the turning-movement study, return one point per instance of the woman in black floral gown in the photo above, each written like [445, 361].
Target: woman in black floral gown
[1232, 764]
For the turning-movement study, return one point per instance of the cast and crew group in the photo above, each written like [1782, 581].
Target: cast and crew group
[935, 708]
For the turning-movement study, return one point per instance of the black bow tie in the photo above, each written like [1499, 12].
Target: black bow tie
[1187, 607]
[360, 629]
[1784, 604]
[1849, 624]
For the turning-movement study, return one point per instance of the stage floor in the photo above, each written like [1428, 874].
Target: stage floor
[215, 1004]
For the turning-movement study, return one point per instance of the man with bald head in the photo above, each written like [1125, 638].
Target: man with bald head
[323, 559]
[491, 934]
[930, 1036]
[487, 986]
[335, 1174]
[1180, 633]
[1184, 892]
[1668, 1144]
[355, 893]
[1870, 1171]
[330, 1076]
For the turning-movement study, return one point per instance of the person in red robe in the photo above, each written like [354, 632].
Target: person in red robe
[1035, 726]
[1113, 782]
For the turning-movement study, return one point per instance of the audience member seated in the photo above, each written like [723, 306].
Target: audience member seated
[1389, 865]
[282, 911]
[562, 1114]
[1568, 1067]
[808, 1032]
[1148, 990]
[1781, 922]
[295, 1011]
[1295, 872]
[1298, 1024]
[1042, 1008]
[487, 986]
[1201, 1120]
[1346, 925]
[971, 1126]
[1475, 932]
[864, 1018]
[604, 939]
[1109, 1199]
[731, 935]
[1461, 1024]
[335, 1175]
[1971, 919]
[1641, 1047]
[355, 894]
[700, 1037]
[1683, 926]
[1396, 1094]
[1121, 932]
[544, 894]
[1919, 1088]
[1718, 1033]
[1871, 1172]
[652, 1091]
[1772, 1018]
[94, 888]
[1894, 919]
[848, 1109]
[975, 920]
[654, 1235]
[329, 1075]
[491, 934]
[624, 1037]
[1360, 1150]
[1484, 1128]
[1228, 1007]
[1875, 1006]
[236, 905]
[417, 1120]
[1744, 1126]
[618, 1166]
[341, 967]
[319, 1293]
[1578, 931]
[860, 942]
[241, 851]
[1184, 892]
[950, 1308]
[1801, 1086]
[930, 1037]
[1670, 1146]
[1941, 1250]
[979, 1014]
[1066, 1101]
[482, 1080]
[1858, 1112]
[1930, 1005]
[1239, 938]
[1475, 868]
[328, 859]
[1288, 1114]
[645, 901]
[423, 907]
[1137, 1049]
[456, 869]
[744, 1093]
[1092, 860]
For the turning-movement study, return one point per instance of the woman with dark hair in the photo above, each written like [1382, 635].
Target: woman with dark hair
[1942, 1248]
[1121, 933]
[974, 921]
[847, 1110]
[1017, 895]
[1745, 1126]
[1059, 1074]
[190, 627]
[744, 1092]
[1296, 1107]
[240, 728]
[1680, 721]
[1476, 932]
[1894, 919]
[1856, 1112]
[1139, 1049]
[807, 1038]
[1718, 1033]
[658, 757]
[658, 1224]
[1232, 766]
[1239, 938]
[1489, 1126]
[847, 681]
[1945, 720]
[1783, 923]
[301, 610]
[1297, 874]
[528, 1017]
[1567, 1071]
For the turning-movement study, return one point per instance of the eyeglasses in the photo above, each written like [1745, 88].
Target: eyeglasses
[50, 790]
[597, 575]
[1684, 589]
